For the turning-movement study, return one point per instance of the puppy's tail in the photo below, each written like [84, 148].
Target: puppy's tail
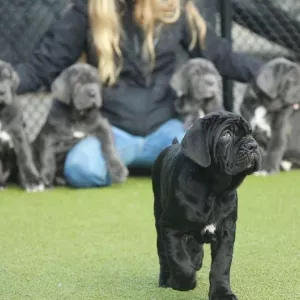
[175, 141]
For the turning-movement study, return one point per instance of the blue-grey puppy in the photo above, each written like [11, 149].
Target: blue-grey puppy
[198, 87]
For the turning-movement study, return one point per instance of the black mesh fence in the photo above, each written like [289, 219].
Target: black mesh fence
[265, 29]
[22, 26]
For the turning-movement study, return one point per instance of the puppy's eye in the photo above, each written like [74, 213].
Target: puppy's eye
[232, 128]
[226, 135]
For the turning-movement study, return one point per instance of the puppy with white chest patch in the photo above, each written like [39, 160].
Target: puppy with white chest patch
[195, 200]
[16, 156]
[268, 105]
[198, 87]
[78, 91]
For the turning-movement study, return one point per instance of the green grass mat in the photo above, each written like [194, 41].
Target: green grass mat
[100, 243]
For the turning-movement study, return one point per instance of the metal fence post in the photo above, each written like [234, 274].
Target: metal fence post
[226, 26]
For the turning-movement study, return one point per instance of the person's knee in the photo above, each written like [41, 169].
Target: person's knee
[85, 166]
[173, 129]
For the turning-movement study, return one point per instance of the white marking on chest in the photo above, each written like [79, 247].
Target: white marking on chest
[211, 228]
[259, 120]
[286, 165]
[5, 137]
[78, 134]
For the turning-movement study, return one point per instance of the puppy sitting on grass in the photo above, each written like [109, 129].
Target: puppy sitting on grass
[195, 200]
[16, 157]
[79, 92]
[198, 87]
[270, 104]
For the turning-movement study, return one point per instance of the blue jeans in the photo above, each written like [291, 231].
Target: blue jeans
[85, 166]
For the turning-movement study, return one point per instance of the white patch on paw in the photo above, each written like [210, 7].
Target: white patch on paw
[78, 134]
[259, 120]
[201, 113]
[36, 188]
[261, 173]
[2, 188]
[286, 165]
[210, 228]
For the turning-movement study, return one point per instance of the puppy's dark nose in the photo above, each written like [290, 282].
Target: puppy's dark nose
[92, 93]
[252, 145]
[2, 93]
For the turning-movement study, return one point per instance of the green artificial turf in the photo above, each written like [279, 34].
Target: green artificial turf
[100, 243]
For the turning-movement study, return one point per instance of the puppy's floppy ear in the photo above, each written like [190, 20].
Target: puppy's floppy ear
[195, 144]
[15, 80]
[179, 81]
[291, 85]
[60, 88]
[271, 75]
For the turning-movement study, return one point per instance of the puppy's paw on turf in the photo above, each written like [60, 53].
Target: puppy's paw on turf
[32, 188]
[119, 172]
[164, 280]
[226, 297]
[262, 173]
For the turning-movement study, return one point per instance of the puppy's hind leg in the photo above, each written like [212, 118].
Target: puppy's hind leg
[28, 174]
[164, 273]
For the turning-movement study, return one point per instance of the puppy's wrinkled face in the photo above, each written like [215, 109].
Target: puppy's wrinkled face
[205, 91]
[85, 88]
[235, 149]
[80, 87]
[222, 140]
[8, 83]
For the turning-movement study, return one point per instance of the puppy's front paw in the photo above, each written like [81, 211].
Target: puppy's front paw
[263, 173]
[225, 297]
[32, 188]
[118, 172]
[164, 280]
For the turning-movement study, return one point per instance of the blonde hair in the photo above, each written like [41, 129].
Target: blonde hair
[107, 31]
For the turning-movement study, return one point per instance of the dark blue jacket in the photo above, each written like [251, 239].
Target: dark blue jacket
[140, 101]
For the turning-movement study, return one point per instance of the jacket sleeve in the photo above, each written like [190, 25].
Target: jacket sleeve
[231, 65]
[60, 47]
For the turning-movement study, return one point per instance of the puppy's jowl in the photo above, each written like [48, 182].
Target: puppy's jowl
[16, 158]
[195, 200]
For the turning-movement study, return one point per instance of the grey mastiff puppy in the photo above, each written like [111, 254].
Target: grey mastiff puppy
[198, 87]
[16, 157]
[268, 105]
[78, 91]
[195, 200]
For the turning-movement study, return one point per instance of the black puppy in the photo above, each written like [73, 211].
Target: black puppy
[195, 200]
[16, 154]
[78, 90]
